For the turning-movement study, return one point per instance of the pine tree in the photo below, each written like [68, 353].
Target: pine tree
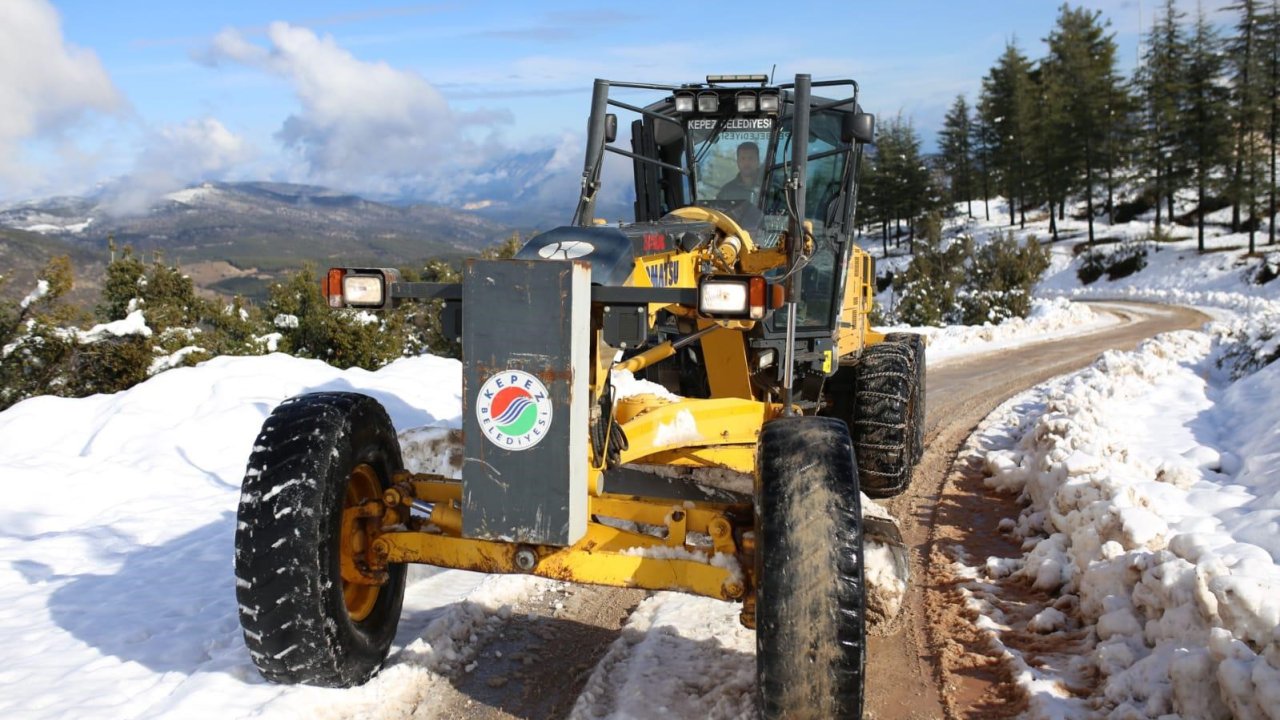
[1207, 129]
[955, 144]
[1248, 114]
[1163, 81]
[898, 181]
[1080, 81]
[1005, 106]
[981, 141]
[1270, 46]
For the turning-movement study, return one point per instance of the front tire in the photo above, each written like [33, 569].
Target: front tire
[810, 599]
[317, 455]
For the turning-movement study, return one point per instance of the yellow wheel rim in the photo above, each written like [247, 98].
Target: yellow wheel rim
[362, 486]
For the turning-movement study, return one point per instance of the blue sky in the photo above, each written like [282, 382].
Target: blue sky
[373, 97]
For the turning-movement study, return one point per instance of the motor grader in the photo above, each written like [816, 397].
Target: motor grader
[691, 400]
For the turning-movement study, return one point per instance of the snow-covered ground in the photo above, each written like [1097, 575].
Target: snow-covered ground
[1050, 319]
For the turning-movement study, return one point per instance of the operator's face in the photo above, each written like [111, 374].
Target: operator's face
[749, 163]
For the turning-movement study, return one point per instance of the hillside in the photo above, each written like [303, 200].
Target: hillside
[23, 254]
[260, 228]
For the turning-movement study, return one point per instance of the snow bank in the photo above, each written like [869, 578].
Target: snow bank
[117, 597]
[679, 656]
[1050, 319]
[1152, 518]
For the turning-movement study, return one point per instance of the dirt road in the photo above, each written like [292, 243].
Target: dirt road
[919, 671]
[541, 657]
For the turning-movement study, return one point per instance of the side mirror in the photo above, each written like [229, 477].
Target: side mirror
[858, 127]
[610, 127]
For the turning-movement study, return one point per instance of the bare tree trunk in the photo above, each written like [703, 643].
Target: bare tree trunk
[1200, 183]
[1088, 183]
[1012, 220]
[1271, 135]
[1111, 200]
[1159, 187]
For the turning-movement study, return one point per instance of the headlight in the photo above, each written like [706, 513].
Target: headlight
[708, 102]
[362, 290]
[723, 298]
[769, 103]
[733, 297]
[684, 103]
[746, 103]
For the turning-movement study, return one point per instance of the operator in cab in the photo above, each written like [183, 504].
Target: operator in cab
[747, 183]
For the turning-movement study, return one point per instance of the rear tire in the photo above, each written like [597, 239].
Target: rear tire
[913, 343]
[316, 454]
[886, 423]
[810, 599]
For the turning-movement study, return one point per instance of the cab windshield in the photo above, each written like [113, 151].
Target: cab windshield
[732, 175]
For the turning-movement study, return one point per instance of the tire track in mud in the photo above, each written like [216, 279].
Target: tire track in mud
[928, 666]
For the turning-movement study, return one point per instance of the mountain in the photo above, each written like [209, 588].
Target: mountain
[237, 237]
[263, 223]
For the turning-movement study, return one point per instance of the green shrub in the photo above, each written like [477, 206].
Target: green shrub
[1093, 265]
[1127, 260]
[1002, 274]
[1268, 269]
[964, 284]
[927, 290]
[34, 350]
[108, 365]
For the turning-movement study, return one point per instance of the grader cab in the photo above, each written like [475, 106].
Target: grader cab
[692, 400]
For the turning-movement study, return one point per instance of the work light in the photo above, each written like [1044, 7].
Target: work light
[733, 297]
[362, 290]
[746, 102]
[708, 102]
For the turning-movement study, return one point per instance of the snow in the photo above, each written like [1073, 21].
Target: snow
[1050, 319]
[132, 324]
[47, 228]
[42, 289]
[192, 195]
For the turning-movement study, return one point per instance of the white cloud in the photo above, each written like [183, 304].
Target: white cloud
[176, 155]
[360, 123]
[46, 84]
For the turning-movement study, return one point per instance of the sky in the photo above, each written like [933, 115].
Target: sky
[377, 98]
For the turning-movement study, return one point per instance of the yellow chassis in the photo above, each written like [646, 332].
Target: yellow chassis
[717, 433]
[718, 564]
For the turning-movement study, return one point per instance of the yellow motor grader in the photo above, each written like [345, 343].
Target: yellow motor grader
[691, 401]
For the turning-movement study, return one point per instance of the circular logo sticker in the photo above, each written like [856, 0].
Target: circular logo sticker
[514, 410]
[566, 250]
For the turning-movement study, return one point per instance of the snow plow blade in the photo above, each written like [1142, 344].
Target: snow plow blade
[886, 562]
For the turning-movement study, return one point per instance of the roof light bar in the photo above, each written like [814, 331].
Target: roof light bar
[722, 79]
